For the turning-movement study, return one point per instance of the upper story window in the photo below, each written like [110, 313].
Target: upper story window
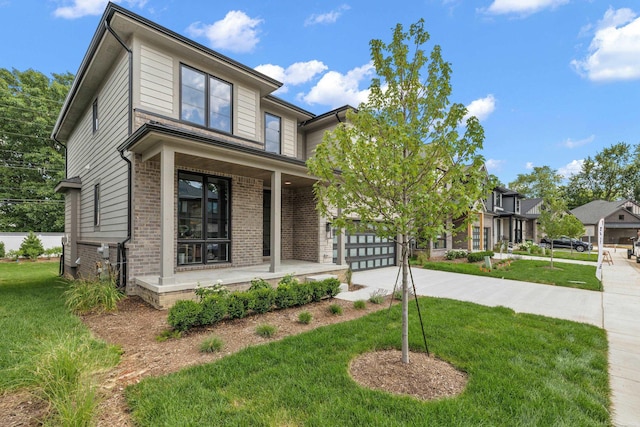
[497, 199]
[95, 116]
[517, 205]
[205, 100]
[621, 217]
[272, 133]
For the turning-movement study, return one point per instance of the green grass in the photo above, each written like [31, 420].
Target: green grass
[564, 254]
[43, 347]
[524, 370]
[562, 274]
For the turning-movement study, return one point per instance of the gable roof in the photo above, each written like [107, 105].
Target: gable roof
[527, 205]
[591, 212]
[110, 40]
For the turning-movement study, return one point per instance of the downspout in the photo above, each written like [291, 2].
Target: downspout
[61, 267]
[122, 252]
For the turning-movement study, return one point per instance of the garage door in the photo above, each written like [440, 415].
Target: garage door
[365, 251]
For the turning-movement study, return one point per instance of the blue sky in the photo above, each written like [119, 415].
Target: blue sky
[552, 81]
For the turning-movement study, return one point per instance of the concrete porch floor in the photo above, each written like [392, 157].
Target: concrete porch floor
[188, 280]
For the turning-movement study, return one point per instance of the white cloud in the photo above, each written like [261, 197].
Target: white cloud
[295, 74]
[326, 18]
[494, 165]
[481, 108]
[80, 8]
[570, 143]
[237, 32]
[521, 7]
[336, 89]
[614, 52]
[529, 166]
[571, 168]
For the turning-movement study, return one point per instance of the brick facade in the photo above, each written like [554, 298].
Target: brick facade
[306, 226]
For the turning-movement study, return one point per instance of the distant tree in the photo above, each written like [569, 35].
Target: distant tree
[612, 174]
[537, 183]
[31, 247]
[403, 168]
[30, 162]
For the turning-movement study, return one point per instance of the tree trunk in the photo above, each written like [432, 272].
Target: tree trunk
[405, 300]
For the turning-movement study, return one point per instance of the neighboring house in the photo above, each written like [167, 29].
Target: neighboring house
[506, 207]
[181, 163]
[531, 209]
[621, 220]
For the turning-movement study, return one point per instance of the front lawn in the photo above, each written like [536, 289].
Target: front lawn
[563, 274]
[42, 345]
[523, 370]
[564, 254]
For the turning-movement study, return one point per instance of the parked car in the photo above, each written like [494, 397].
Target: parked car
[566, 242]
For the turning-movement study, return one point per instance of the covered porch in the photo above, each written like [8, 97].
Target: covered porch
[161, 295]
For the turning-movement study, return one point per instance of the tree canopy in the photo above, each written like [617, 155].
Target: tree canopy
[404, 163]
[537, 183]
[611, 174]
[30, 162]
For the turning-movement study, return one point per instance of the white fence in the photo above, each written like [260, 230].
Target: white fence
[12, 241]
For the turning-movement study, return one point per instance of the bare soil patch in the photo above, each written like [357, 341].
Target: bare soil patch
[135, 326]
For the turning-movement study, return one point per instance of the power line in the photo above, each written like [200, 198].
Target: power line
[46, 138]
[25, 109]
[28, 95]
[30, 201]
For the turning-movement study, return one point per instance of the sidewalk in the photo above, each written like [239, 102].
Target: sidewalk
[617, 310]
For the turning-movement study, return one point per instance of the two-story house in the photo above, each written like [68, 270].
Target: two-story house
[506, 207]
[183, 168]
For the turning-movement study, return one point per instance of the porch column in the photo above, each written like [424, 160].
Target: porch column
[482, 243]
[167, 231]
[276, 218]
[342, 258]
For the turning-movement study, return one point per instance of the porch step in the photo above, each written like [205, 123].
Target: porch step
[319, 277]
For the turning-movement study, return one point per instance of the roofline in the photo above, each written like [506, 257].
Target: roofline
[289, 105]
[107, 16]
[158, 128]
[329, 114]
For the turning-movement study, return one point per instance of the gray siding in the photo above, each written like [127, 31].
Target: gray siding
[289, 137]
[93, 157]
[247, 101]
[156, 81]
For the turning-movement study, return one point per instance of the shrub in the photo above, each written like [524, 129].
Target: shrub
[335, 309]
[84, 296]
[266, 331]
[302, 293]
[360, 304]
[214, 308]
[56, 251]
[211, 345]
[285, 296]
[455, 254]
[13, 254]
[263, 299]
[305, 317]
[289, 279]
[478, 256]
[184, 314]
[332, 287]
[238, 304]
[217, 289]
[31, 247]
[377, 296]
[2, 252]
[397, 295]
[318, 290]
[258, 283]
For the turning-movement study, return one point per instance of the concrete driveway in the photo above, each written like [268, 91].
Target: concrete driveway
[617, 310]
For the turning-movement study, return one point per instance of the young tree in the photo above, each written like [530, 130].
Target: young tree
[31, 247]
[404, 163]
[31, 164]
[552, 218]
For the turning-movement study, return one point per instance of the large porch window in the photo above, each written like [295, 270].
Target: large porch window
[203, 219]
